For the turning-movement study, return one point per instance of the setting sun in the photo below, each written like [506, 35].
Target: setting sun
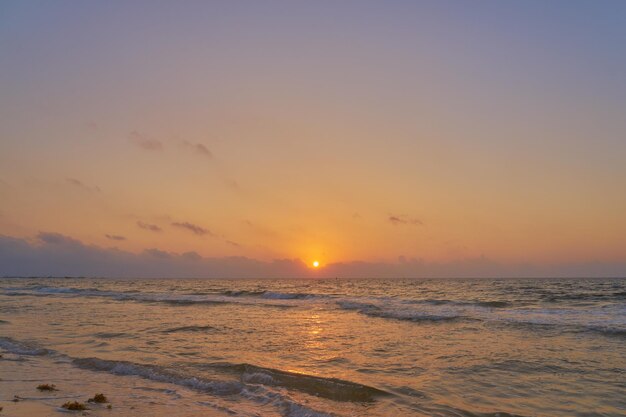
[316, 264]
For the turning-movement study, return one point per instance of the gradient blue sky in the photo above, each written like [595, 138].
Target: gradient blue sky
[441, 132]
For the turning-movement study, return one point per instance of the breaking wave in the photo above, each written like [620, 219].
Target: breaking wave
[247, 388]
[249, 376]
[252, 385]
[331, 388]
[251, 382]
[160, 374]
[397, 312]
[23, 348]
[553, 317]
[160, 298]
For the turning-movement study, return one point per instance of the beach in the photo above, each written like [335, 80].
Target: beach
[314, 347]
[130, 396]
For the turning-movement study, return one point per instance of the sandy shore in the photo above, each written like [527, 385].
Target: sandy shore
[128, 396]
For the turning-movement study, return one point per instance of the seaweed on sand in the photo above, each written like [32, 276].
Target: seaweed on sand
[47, 387]
[98, 398]
[74, 406]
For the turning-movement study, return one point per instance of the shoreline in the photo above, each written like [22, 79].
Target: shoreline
[127, 396]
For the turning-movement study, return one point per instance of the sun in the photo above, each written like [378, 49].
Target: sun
[316, 264]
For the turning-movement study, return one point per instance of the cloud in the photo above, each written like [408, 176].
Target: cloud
[401, 219]
[53, 254]
[148, 226]
[56, 239]
[197, 148]
[115, 237]
[144, 142]
[157, 253]
[192, 256]
[80, 184]
[194, 228]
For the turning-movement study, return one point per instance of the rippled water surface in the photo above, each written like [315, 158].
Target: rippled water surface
[340, 347]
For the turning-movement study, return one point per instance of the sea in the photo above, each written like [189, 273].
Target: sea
[311, 348]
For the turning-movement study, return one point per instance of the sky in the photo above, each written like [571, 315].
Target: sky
[252, 138]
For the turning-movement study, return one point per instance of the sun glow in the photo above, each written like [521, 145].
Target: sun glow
[316, 264]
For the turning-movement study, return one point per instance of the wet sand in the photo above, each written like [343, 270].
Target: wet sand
[129, 396]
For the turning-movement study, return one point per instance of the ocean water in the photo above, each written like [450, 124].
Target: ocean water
[479, 347]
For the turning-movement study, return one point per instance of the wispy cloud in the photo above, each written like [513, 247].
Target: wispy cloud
[53, 254]
[402, 219]
[145, 142]
[115, 237]
[80, 184]
[194, 228]
[56, 238]
[148, 226]
[157, 253]
[197, 148]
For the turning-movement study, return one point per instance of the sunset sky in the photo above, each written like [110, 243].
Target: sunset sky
[386, 133]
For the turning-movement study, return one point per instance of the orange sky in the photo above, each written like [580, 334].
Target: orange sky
[330, 132]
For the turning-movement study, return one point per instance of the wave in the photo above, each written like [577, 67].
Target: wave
[160, 298]
[288, 296]
[487, 304]
[585, 296]
[555, 321]
[331, 388]
[274, 295]
[430, 310]
[160, 374]
[254, 297]
[22, 294]
[251, 381]
[23, 348]
[493, 304]
[242, 293]
[252, 385]
[248, 388]
[190, 329]
[270, 295]
[558, 327]
[242, 388]
[398, 312]
[515, 366]
[110, 335]
[608, 331]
